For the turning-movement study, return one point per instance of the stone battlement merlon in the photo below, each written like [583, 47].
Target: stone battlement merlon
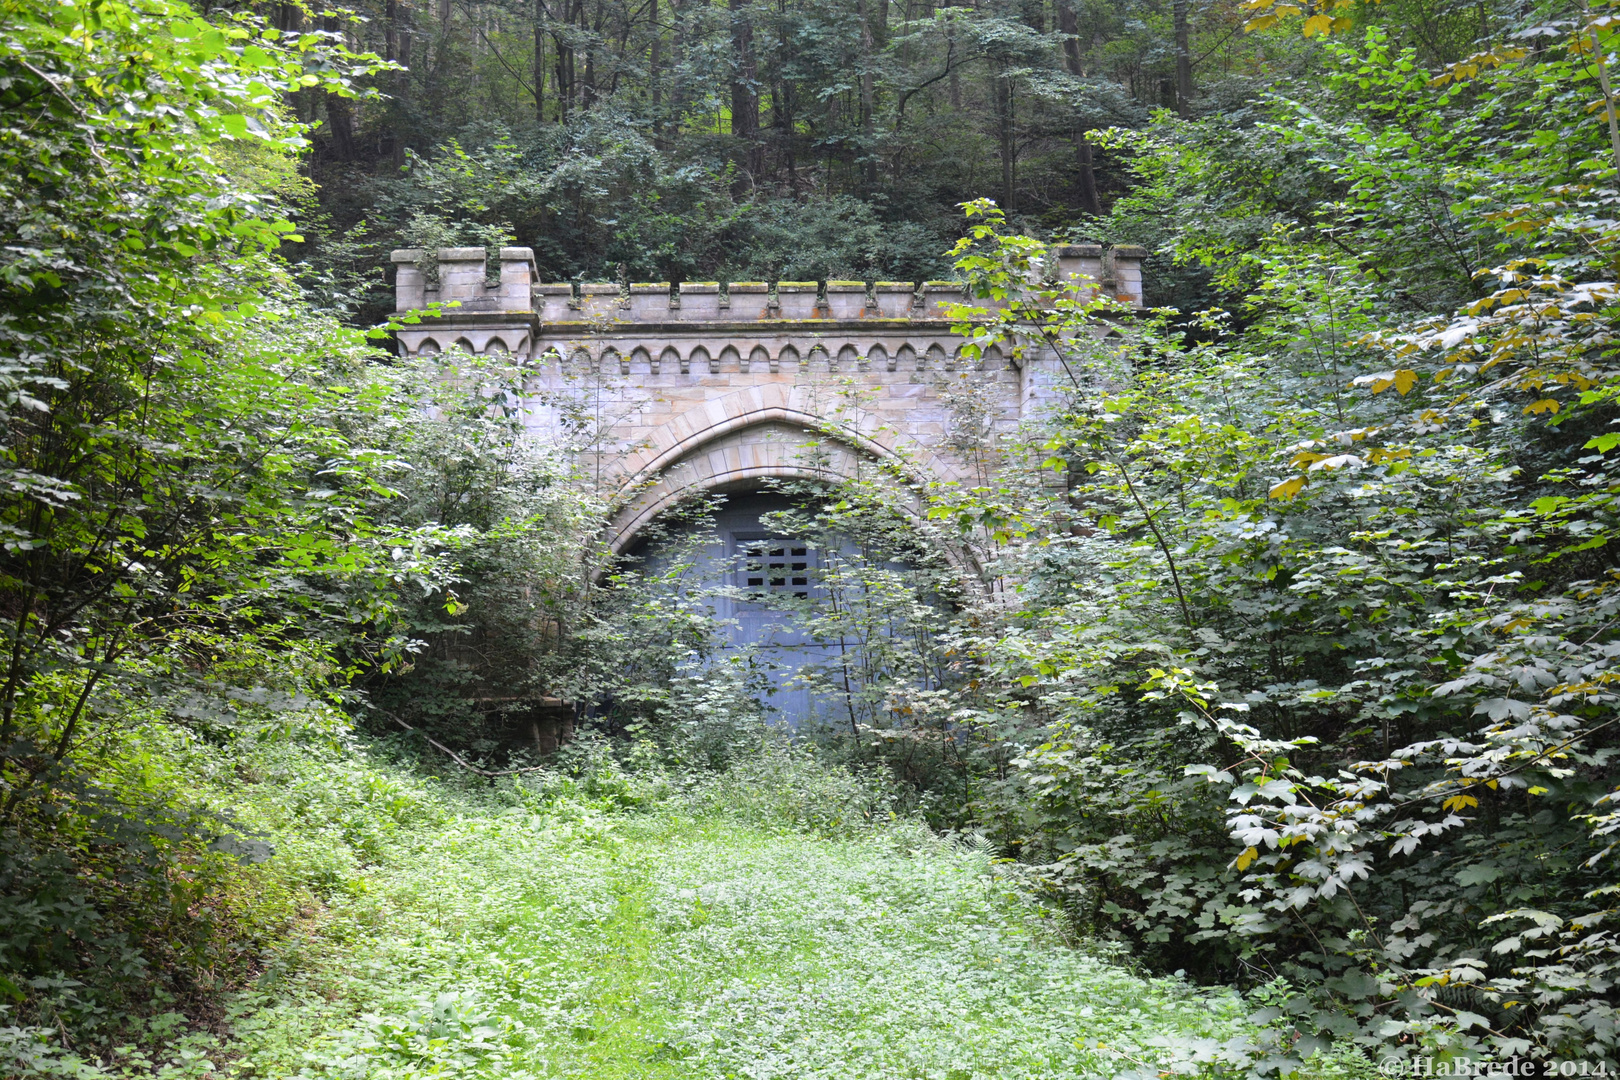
[463, 279]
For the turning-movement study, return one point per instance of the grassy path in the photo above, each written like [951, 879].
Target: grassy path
[655, 945]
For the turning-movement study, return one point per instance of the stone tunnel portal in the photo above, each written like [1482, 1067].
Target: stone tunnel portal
[725, 387]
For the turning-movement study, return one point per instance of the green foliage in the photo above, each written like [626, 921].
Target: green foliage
[218, 510]
[310, 816]
[597, 199]
[1311, 677]
[543, 931]
[777, 786]
[514, 517]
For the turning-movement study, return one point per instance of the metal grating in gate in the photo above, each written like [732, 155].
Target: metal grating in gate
[777, 566]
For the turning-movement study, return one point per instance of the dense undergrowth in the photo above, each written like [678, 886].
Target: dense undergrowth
[604, 919]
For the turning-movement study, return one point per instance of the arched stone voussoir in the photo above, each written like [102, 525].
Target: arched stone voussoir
[768, 451]
[774, 451]
[800, 406]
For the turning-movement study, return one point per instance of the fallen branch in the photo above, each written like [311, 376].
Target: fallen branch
[458, 759]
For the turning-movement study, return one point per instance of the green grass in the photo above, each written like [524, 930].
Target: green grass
[554, 939]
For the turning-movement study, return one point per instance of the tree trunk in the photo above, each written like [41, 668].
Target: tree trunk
[1090, 202]
[1004, 131]
[402, 85]
[782, 119]
[565, 64]
[340, 118]
[1184, 85]
[587, 96]
[539, 61]
[744, 91]
[656, 87]
[677, 100]
[868, 142]
[339, 111]
[1069, 27]
[572, 81]
[565, 92]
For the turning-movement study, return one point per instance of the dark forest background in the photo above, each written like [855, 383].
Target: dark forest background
[801, 140]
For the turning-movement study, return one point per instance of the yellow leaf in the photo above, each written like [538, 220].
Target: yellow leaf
[1402, 379]
[1248, 856]
[1288, 488]
[1491, 784]
[1538, 791]
[1343, 22]
[1460, 802]
[1546, 404]
[1318, 24]
[1473, 65]
[1259, 23]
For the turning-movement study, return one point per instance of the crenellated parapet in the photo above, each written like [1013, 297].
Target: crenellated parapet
[468, 295]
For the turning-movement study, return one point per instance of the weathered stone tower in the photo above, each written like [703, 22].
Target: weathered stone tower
[716, 387]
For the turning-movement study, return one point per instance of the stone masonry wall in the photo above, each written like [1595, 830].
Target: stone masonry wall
[711, 386]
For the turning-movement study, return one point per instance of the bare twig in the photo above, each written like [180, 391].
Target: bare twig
[458, 759]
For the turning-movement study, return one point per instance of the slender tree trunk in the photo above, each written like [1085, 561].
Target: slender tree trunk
[1086, 175]
[539, 61]
[655, 77]
[587, 96]
[558, 66]
[1090, 202]
[1184, 84]
[1004, 131]
[677, 54]
[787, 136]
[745, 91]
[565, 63]
[1069, 27]
[340, 118]
[402, 86]
[289, 19]
[868, 142]
[339, 113]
